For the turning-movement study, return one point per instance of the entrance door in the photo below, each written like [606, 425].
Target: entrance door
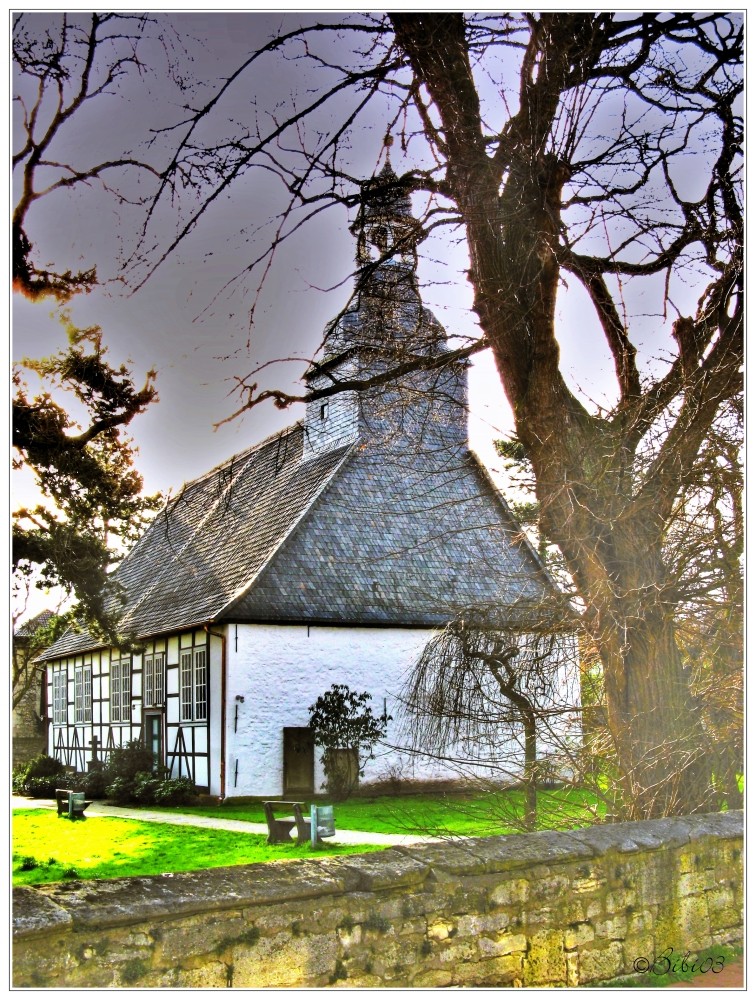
[153, 739]
[299, 761]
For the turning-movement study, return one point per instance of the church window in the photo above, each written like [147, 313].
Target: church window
[194, 684]
[120, 690]
[60, 697]
[154, 679]
[83, 693]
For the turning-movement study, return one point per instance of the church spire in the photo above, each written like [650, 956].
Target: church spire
[387, 232]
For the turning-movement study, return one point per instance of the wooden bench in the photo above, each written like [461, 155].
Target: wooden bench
[280, 827]
[70, 803]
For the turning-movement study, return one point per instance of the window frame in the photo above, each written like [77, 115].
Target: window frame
[82, 693]
[154, 679]
[60, 697]
[120, 686]
[194, 683]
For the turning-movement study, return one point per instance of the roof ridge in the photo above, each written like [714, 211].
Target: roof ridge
[244, 453]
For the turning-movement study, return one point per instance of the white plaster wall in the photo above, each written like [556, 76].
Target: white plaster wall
[280, 671]
[214, 683]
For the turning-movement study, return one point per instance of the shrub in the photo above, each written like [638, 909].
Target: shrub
[143, 787]
[39, 777]
[175, 792]
[120, 790]
[346, 730]
[131, 778]
[94, 784]
[129, 760]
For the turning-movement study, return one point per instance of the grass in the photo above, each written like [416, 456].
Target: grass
[48, 848]
[439, 814]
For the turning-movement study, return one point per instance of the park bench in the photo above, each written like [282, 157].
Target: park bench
[70, 803]
[280, 827]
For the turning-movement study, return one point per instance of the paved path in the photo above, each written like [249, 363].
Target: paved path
[216, 823]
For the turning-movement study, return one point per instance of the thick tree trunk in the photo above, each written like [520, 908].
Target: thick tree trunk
[585, 465]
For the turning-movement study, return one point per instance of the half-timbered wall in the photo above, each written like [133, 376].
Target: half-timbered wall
[108, 694]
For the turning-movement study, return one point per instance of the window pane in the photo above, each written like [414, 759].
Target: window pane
[115, 691]
[149, 680]
[125, 690]
[78, 695]
[186, 686]
[159, 678]
[200, 684]
[88, 694]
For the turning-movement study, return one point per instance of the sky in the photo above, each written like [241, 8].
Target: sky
[190, 320]
[186, 322]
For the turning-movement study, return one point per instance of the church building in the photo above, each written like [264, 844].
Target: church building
[326, 554]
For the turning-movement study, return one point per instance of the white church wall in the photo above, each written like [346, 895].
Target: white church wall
[280, 670]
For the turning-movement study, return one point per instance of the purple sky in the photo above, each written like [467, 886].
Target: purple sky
[187, 322]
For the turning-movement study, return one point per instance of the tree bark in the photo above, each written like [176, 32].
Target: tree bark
[584, 465]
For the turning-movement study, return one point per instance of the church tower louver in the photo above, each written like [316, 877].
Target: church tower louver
[383, 327]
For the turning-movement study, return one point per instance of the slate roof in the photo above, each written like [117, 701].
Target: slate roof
[350, 536]
[404, 539]
[213, 538]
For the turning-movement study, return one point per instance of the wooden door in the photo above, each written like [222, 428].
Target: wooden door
[299, 761]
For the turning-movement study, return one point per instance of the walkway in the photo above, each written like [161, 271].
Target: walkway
[216, 823]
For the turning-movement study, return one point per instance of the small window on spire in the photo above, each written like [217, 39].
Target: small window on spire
[324, 410]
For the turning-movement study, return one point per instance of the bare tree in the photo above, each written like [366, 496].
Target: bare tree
[63, 64]
[488, 699]
[576, 173]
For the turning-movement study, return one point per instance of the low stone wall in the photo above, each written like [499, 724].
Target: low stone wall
[543, 909]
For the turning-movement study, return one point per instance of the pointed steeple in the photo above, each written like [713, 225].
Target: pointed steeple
[383, 325]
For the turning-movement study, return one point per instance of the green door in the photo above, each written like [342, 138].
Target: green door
[153, 726]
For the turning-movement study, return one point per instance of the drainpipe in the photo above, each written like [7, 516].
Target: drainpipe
[222, 637]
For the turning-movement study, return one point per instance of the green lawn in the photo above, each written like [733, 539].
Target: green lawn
[479, 815]
[49, 848]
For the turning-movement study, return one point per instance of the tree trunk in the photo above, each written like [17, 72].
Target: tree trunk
[531, 771]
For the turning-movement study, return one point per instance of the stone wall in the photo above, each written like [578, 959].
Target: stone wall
[544, 909]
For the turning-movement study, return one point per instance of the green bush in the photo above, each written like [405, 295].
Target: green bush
[129, 760]
[94, 784]
[132, 778]
[120, 790]
[39, 777]
[175, 792]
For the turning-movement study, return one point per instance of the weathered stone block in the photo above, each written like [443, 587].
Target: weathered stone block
[511, 893]
[613, 929]
[433, 978]
[597, 964]
[577, 935]
[212, 975]
[505, 944]
[439, 930]
[287, 961]
[545, 960]
[199, 936]
[504, 971]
